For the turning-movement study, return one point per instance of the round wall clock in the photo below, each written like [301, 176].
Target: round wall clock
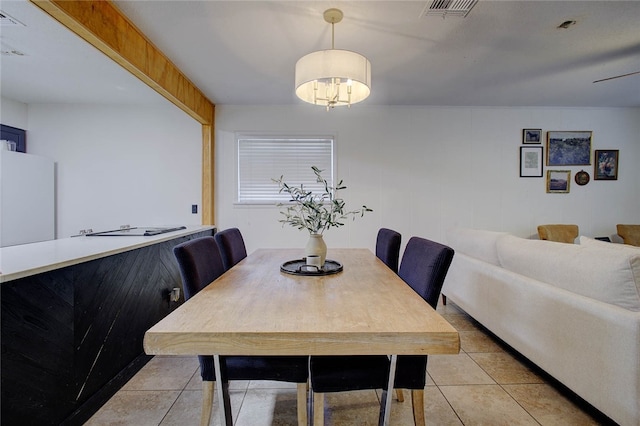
[582, 177]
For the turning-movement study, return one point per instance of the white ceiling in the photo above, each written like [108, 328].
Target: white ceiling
[504, 53]
[58, 66]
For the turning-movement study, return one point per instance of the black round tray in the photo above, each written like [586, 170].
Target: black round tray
[299, 267]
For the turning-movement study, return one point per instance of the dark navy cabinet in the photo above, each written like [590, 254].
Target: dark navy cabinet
[73, 336]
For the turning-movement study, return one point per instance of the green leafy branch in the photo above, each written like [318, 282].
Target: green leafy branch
[316, 212]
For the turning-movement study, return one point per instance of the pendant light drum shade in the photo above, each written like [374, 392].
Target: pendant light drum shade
[333, 77]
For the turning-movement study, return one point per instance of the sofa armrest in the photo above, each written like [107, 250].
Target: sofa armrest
[590, 346]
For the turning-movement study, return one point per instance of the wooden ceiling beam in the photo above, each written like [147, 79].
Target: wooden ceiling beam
[103, 25]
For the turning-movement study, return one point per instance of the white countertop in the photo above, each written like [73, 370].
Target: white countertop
[30, 259]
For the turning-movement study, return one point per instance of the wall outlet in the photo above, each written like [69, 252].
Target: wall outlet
[194, 208]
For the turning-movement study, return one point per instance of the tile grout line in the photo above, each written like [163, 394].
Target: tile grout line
[179, 395]
[450, 406]
[492, 378]
[244, 395]
[170, 407]
[500, 384]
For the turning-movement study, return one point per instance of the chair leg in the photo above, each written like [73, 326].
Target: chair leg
[207, 403]
[444, 299]
[302, 404]
[417, 401]
[399, 395]
[318, 409]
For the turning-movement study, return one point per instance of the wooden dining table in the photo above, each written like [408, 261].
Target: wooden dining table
[255, 309]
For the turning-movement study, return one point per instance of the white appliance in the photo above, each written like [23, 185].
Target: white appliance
[27, 206]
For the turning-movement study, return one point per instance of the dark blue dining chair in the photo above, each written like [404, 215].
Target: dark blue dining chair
[424, 267]
[388, 247]
[200, 264]
[232, 248]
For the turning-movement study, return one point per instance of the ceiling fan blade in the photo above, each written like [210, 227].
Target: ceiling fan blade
[617, 76]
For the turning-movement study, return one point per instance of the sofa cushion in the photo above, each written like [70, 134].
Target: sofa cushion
[477, 243]
[604, 245]
[601, 273]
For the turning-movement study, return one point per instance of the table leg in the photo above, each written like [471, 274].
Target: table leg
[385, 400]
[222, 385]
[310, 396]
[310, 412]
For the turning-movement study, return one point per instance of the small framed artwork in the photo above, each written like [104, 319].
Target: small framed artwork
[531, 135]
[606, 164]
[558, 181]
[582, 178]
[568, 148]
[530, 161]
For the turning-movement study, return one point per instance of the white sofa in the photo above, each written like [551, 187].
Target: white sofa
[572, 309]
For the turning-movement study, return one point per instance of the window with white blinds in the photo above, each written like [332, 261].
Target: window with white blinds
[261, 159]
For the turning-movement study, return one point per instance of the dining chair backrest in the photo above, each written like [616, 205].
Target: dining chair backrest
[232, 248]
[630, 234]
[561, 233]
[388, 247]
[199, 262]
[424, 267]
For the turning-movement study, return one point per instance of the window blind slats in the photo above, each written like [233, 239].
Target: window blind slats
[262, 159]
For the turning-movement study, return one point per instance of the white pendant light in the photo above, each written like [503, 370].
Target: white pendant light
[333, 77]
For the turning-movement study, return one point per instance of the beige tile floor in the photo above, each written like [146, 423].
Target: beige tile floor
[486, 384]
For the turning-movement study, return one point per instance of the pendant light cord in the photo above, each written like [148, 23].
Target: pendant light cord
[333, 35]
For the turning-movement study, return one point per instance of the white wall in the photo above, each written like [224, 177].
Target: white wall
[426, 169]
[13, 113]
[121, 164]
[422, 169]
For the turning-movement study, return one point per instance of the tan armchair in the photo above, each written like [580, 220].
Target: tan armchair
[630, 234]
[559, 233]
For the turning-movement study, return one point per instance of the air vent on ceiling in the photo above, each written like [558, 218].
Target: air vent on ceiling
[446, 8]
[6, 20]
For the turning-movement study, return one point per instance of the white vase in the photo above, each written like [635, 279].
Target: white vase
[316, 246]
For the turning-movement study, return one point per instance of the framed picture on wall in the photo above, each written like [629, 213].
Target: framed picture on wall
[568, 148]
[531, 135]
[13, 134]
[605, 164]
[530, 161]
[558, 181]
